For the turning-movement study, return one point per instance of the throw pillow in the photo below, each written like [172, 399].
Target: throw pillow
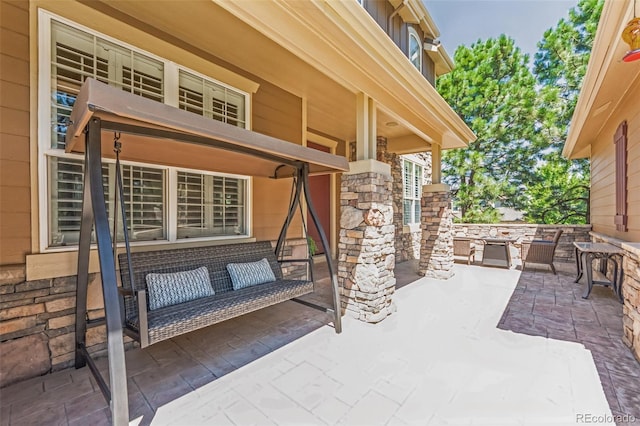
[252, 273]
[178, 287]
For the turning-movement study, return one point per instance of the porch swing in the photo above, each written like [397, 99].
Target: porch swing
[161, 134]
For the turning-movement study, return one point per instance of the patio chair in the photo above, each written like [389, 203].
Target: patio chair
[540, 251]
[464, 247]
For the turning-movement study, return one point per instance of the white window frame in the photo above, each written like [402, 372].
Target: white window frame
[413, 34]
[414, 199]
[45, 151]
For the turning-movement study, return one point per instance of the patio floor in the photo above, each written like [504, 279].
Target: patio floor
[440, 359]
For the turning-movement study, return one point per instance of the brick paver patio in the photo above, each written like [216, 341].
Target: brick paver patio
[440, 359]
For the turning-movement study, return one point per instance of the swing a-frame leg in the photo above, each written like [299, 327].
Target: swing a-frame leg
[302, 189]
[94, 214]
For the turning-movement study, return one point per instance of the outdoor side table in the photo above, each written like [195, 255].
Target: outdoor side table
[586, 253]
[497, 252]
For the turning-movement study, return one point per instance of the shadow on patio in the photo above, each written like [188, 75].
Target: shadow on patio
[439, 359]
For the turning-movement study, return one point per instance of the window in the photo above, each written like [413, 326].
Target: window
[152, 193]
[620, 141]
[415, 49]
[210, 205]
[412, 184]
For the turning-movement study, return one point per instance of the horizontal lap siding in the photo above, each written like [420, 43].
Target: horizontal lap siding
[15, 205]
[276, 113]
[603, 196]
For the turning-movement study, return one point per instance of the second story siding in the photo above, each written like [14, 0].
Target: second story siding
[398, 30]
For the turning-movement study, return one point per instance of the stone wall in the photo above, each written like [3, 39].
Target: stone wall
[37, 324]
[630, 291]
[525, 232]
[366, 248]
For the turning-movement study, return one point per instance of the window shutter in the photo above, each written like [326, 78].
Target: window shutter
[144, 200]
[210, 205]
[620, 141]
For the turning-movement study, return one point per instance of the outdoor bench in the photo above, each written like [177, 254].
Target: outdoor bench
[167, 269]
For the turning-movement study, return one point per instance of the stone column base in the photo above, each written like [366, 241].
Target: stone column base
[436, 254]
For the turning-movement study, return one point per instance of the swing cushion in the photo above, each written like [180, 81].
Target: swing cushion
[178, 287]
[251, 273]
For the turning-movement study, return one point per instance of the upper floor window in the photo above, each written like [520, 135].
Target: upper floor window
[415, 49]
[412, 175]
[162, 202]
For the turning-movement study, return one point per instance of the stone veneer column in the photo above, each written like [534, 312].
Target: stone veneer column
[366, 251]
[436, 254]
[631, 308]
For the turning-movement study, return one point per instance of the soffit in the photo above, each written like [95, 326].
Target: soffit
[606, 83]
[304, 48]
[343, 40]
[208, 28]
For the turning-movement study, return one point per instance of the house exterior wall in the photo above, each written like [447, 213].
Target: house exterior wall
[603, 196]
[381, 10]
[37, 290]
[279, 114]
[15, 201]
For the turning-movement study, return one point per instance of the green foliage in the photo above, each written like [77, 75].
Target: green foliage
[521, 118]
[559, 196]
[494, 92]
[560, 65]
[313, 248]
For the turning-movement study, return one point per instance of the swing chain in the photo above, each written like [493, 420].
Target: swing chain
[117, 145]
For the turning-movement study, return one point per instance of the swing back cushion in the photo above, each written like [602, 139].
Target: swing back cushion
[225, 302]
[178, 287]
[252, 273]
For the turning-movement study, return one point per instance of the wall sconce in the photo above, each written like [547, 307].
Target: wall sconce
[431, 45]
[631, 36]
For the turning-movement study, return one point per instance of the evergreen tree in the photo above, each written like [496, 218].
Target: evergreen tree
[494, 91]
[559, 66]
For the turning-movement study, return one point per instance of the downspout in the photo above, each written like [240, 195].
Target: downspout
[394, 13]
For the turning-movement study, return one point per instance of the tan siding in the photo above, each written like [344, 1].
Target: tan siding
[15, 208]
[279, 114]
[270, 205]
[12, 43]
[603, 171]
[14, 96]
[14, 148]
[14, 70]
[15, 200]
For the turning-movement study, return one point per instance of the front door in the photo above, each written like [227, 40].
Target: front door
[320, 189]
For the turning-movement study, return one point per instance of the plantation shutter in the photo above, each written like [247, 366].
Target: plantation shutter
[210, 205]
[208, 99]
[620, 141]
[144, 202]
[77, 55]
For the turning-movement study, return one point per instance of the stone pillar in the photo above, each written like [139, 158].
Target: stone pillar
[366, 252]
[631, 308]
[436, 254]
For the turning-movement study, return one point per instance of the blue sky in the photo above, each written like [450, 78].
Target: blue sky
[466, 21]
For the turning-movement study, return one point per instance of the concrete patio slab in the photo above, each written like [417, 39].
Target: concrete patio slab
[439, 360]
